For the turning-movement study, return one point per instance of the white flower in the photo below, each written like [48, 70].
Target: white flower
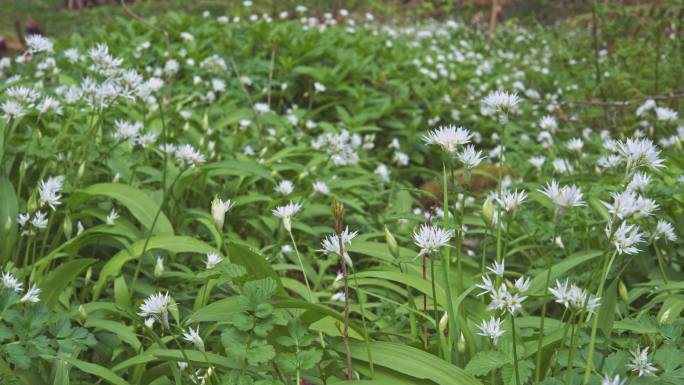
[665, 230]
[9, 281]
[213, 259]
[38, 43]
[613, 381]
[49, 104]
[666, 114]
[648, 105]
[562, 166]
[511, 201]
[187, 155]
[40, 220]
[157, 307]
[491, 329]
[159, 267]
[401, 158]
[113, 216]
[537, 161]
[286, 213]
[450, 138]
[321, 188]
[339, 297]
[219, 208]
[563, 197]
[628, 203]
[32, 295]
[285, 188]
[382, 172]
[469, 157]
[127, 131]
[49, 191]
[548, 123]
[639, 182]
[430, 238]
[487, 285]
[626, 237]
[639, 362]
[192, 335]
[640, 153]
[522, 284]
[319, 87]
[501, 102]
[575, 144]
[514, 302]
[497, 268]
[182, 365]
[12, 109]
[331, 244]
[261, 107]
[23, 219]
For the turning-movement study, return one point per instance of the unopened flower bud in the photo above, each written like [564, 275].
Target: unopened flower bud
[443, 322]
[488, 211]
[82, 314]
[159, 267]
[391, 243]
[461, 345]
[81, 171]
[622, 289]
[67, 227]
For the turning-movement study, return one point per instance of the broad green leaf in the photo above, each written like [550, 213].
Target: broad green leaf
[557, 270]
[94, 369]
[141, 206]
[9, 212]
[55, 283]
[486, 361]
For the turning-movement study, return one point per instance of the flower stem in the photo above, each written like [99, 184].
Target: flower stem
[301, 265]
[515, 352]
[537, 370]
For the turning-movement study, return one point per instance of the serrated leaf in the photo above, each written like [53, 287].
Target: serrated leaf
[485, 362]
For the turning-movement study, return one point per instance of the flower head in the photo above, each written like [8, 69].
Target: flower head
[607, 380]
[567, 196]
[640, 153]
[285, 188]
[192, 335]
[32, 295]
[332, 244]
[469, 157]
[639, 362]
[9, 281]
[219, 208]
[665, 230]
[431, 238]
[492, 329]
[213, 259]
[286, 213]
[37, 43]
[626, 237]
[48, 191]
[449, 138]
[157, 307]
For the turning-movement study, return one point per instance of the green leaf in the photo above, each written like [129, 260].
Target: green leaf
[557, 270]
[255, 263]
[174, 244]
[119, 329]
[606, 313]
[94, 369]
[141, 206]
[215, 312]
[485, 362]
[9, 211]
[55, 283]
[412, 362]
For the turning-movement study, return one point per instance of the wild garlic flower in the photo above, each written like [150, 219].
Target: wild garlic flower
[331, 244]
[187, 156]
[628, 203]
[286, 213]
[537, 161]
[431, 238]
[575, 144]
[212, 260]
[487, 285]
[449, 138]
[37, 43]
[549, 123]
[639, 182]
[48, 191]
[563, 197]
[497, 268]
[32, 295]
[157, 307]
[383, 173]
[127, 131]
[666, 114]
[321, 188]
[562, 166]
[219, 208]
[501, 103]
[511, 201]
[639, 153]
[626, 237]
[639, 362]
[12, 110]
[338, 297]
[492, 329]
[607, 380]
[469, 157]
[285, 188]
[665, 230]
[112, 217]
[9, 281]
[192, 335]
[522, 284]
[159, 267]
[40, 220]
[573, 297]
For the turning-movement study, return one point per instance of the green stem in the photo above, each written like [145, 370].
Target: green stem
[446, 268]
[594, 325]
[573, 350]
[515, 352]
[661, 265]
[537, 370]
[363, 324]
[301, 265]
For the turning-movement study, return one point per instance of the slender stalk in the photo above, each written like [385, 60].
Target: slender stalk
[604, 273]
[515, 352]
[363, 324]
[425, 308]
[434, 295]
[301, 265]
[345, 330]
[571, 356]
[537, 370]
[661, 265]
[446, 269]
